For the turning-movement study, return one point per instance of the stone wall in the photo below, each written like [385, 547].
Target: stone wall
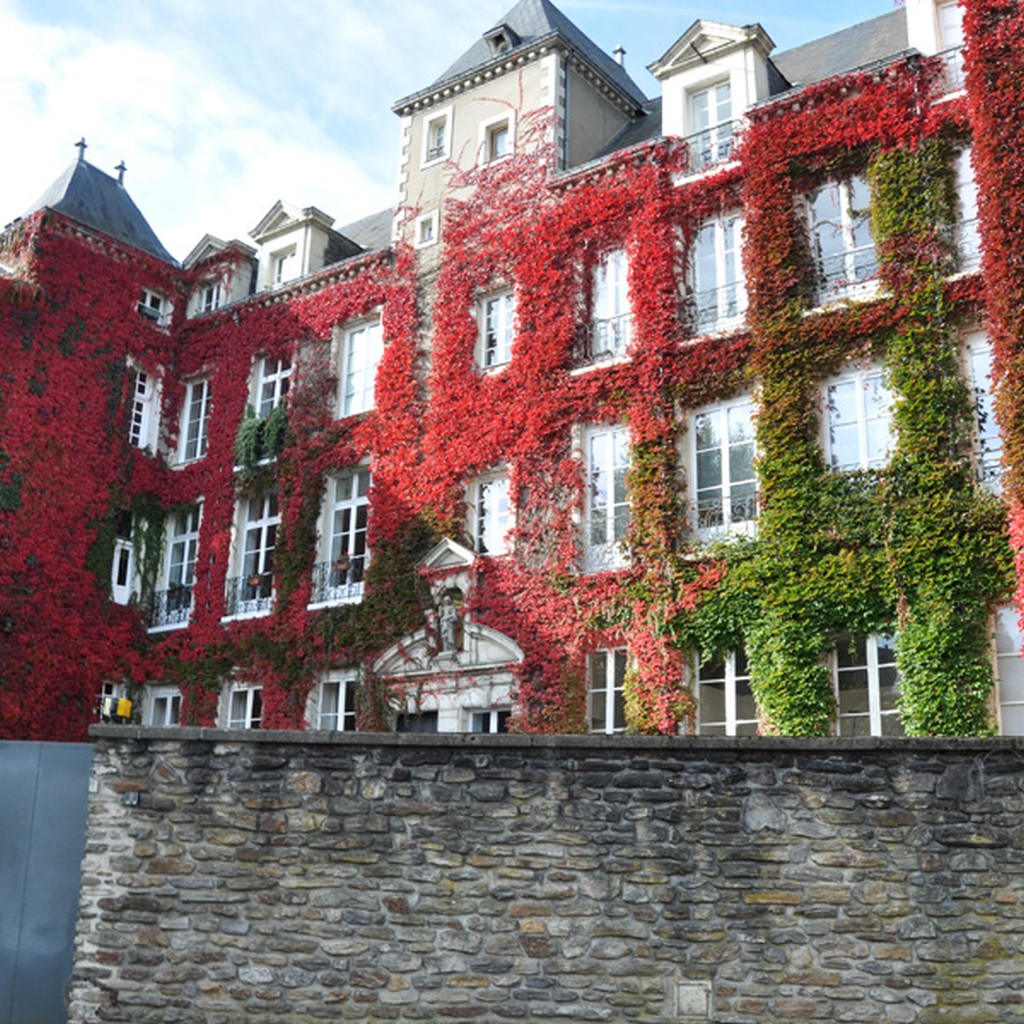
[299, 877]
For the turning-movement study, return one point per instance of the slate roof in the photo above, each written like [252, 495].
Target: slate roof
[94, 198]
[850, 48]
[372, 232]
[533, 20]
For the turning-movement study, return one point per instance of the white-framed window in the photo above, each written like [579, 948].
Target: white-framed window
[967, 236]
[122, 571]
[437, 137]
[950, 17]
[283, 266]
[144, 409]
[611, 320]
[606, 454]
[195, 421]
[336, 704]
[155, 306]
[270, 384]
[172, 604]
[989, 450]
[841, 240]
[711, 126]
[164, 707]
[489, 720]
[490, 513]
[252, 591]
[361, 350]
[718, 297]
[496, 138]
[339, 577]
[427, 229]
[858, 420]
[606, 680]
[867, 687]
[497, 315]
[1009, 672]
[722, 467]
[725, 701]
[209, 297]
[245, 706]
[114, 705]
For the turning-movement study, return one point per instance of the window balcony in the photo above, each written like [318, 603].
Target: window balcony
[603, 339]
[715, 517]
[711, 146]
[849, 274]
[249, 596]
[715, 309]
[969, 245]
[338, 582]
[171, 608]
[954, 75]
[603, 556]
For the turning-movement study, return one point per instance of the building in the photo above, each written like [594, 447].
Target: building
[690, 414]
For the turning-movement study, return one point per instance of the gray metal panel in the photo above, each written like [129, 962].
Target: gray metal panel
[43, 809]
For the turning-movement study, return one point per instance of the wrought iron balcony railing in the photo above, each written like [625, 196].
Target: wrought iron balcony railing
[841, 274]
[715, 518]
[340, 581]
[711, 146]
[249, 595]
[603, 339]
[171, 607]
[715, 309]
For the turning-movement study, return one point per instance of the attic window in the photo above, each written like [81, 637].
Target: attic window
[501, 39]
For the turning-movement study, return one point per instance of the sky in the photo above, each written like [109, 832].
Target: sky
[221, 107]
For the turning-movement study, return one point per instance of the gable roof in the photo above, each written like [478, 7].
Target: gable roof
[849, 48]
[532, 21]
[90, 196]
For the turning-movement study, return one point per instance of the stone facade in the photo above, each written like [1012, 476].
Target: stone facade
[298, 877]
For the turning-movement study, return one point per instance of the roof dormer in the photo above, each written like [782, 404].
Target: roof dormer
[501, 39]
[710, 76]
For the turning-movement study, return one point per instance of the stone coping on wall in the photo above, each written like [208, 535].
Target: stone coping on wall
[564, 741]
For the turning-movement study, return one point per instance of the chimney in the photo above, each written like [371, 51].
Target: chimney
[619, 53]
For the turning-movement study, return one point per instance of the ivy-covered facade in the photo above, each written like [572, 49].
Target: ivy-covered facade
[708, 424]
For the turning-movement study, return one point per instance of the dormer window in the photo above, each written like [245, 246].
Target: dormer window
[501, 39]
[283, 264]
[711, 125]
[156, 307]
[437, 137]
[210, 296]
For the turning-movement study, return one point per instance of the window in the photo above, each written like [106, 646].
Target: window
[711, 125]
[611, 322]
[362, 348]
[210, 297]
[497, 328]
[725, 701]
[419, 721]
[340, 577]
[607, 501]
[1009, 672]
[722, 464]
[156, 307]
[859, 430]
[426, 229]
[990, 442]
[165, 707]
[867, 687]
[195, 421]
[717, 295]
[172, 604]
[271, 385]
[606, 677]
[122, 572]
[144, 409]
[967, 237]
[336, 705]
[437, 137]
[283, 266]
[490, 515]
[252, 592]
[490, 721]
[245, 707]
[497, 138]
[951, 43]
[114, 705]
[841, 242]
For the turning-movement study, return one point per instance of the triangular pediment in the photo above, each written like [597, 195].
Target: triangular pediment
[705, 41]
[482, 650]
[447, 554]
[279, 216]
